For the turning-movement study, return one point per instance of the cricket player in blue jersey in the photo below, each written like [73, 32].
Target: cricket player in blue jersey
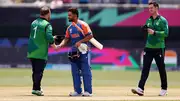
[78, 33]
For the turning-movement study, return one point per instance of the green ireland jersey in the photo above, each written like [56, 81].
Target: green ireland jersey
[40, 38]
[160, 26]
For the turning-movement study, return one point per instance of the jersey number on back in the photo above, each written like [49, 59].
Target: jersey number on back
[35, 30]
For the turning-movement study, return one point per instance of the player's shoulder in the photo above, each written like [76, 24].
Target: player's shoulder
[40, 21]
[148, 20]
[34, 22]
[82, 23]
[163, 18]
[45, 22]
[69, 27]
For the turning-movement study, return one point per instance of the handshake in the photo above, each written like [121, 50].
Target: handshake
[60, 42]
[57, 40]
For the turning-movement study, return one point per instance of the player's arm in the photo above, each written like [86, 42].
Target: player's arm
[165, 31]
[54, 46]
[87, 33]
[86, 38]
[50, 37]
[66, 40]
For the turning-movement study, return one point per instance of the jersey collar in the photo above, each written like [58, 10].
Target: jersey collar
[158, 17]
[43, 18]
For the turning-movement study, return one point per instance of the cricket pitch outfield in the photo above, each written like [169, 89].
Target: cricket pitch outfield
[100, 94]
[107, 86]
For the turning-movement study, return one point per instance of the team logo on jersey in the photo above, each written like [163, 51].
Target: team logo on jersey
[148, 24]
[157, 23]
[70, 30]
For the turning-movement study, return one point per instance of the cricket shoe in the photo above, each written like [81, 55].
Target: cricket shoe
[37, 92]
[163, 92]
[87, 94]
[138, 91]
[74, 94]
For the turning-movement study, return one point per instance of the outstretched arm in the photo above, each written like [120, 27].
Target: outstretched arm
[64, 42]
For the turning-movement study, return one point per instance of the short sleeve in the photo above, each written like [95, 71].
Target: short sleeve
[67, 34]
[86, 29]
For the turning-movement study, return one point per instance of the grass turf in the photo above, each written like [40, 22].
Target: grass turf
[109, 85]
[22, 77]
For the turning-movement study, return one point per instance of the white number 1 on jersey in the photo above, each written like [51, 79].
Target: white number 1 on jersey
[35, 29]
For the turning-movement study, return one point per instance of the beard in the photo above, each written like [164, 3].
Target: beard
[71, 20]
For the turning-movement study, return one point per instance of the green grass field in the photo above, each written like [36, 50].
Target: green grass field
[22, 77]
[108, 86]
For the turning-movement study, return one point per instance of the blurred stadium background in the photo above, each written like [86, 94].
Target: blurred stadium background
[115, 23]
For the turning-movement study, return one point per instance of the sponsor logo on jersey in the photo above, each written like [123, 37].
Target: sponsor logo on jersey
[75, 35]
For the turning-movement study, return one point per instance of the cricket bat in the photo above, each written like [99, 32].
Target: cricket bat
[96, 43]
[92, 40]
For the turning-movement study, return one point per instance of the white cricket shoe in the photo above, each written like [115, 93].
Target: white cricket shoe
[138, 91]
[37, 92]
[87, 94]
[74, 94]
[163, 92]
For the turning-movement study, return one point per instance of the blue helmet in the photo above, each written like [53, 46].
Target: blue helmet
[73, 54]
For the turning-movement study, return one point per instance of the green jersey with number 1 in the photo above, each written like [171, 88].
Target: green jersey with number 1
[40, 38]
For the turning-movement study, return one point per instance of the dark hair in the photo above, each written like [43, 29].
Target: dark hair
[74, 11]
[155, 4]
[44, 10]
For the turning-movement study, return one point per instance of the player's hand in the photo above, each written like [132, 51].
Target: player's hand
[54, 46]
[78, 44]
[150, 31]
[58, 47]
[55, 37]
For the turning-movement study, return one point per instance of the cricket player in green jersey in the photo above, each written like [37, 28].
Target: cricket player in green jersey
[39, 40]
[157, 29]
